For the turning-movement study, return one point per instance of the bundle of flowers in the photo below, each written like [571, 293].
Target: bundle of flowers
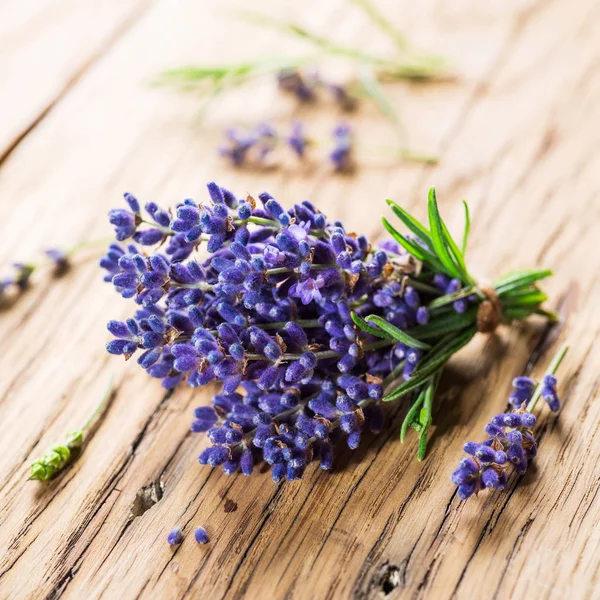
[306, 327]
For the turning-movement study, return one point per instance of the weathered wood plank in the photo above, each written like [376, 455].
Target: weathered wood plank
[518, 137]
[45, 48]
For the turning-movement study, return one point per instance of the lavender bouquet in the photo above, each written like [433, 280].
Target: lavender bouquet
[307, 328]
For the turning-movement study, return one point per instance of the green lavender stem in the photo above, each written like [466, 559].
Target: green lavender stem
[58, 456]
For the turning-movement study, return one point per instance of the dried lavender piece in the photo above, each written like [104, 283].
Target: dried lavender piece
[511, 442]
[200, 535]
[175, 536]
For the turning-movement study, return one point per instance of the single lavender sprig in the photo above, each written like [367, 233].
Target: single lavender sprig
[305, 87]
[201, 536]
[58, 259]
[58, 456]
[258, 146]
[303, 324]
[511, 442]
[175, 536]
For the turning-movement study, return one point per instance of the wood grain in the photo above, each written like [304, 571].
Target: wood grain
[518, 135]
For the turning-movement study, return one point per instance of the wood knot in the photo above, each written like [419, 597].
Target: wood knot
[488, 313]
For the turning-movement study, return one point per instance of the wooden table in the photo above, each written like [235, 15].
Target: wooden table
[518, 135]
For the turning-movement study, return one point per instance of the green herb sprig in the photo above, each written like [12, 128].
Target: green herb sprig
[405, 62]
[58, 456]
[512, 297]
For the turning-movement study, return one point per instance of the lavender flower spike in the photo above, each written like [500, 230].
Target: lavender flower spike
[511, 441]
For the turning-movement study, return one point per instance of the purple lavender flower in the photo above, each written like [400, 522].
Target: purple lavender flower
[59, 257]
[19, 280]
[307, 290]
[549, 393]
[342, 96]
[293, 82]
[200, 535]
[297, 139]
[238, 147]
[175, 536]
[341, 155]
[268, 317]
[511, 441]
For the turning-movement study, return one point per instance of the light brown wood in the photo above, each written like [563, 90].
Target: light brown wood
[518, 136]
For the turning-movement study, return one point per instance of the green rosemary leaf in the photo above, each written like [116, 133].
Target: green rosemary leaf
[417, 228]
[422, 445]
[436, 226]
[408, 386]
[467, 228]
[552, 316]
[411, 414]
[425, 416]
[397, 334]
[416, 250]
[521, 292]
[457, 255]
[445, 324]
[519, 279]
[428, 368]
[527, 299]
[512, 313]
[360, 322]
[432, 361]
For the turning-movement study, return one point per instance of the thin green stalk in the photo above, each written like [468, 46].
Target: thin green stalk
[60, 455]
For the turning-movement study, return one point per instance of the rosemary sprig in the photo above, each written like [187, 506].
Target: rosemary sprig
[512, 297]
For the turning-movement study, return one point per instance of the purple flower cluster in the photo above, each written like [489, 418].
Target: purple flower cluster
[256, 146]
[267, 314]
[19, 280]
[305, 87]
[510, 441]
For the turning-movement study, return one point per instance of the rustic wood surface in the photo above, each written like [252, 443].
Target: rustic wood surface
[518, 135]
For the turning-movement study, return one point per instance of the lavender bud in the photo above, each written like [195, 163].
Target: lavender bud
[200, 535]
[175, 536]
